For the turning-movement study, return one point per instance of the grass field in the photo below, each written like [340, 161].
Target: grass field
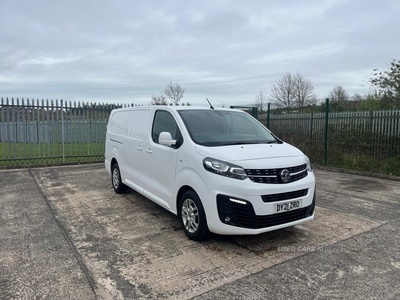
[14, 155]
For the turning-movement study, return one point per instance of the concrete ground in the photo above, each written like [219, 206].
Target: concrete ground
[64, 234]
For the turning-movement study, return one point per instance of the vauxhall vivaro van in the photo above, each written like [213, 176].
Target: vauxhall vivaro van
[219, 170]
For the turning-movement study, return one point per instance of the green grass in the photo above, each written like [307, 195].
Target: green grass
[367, 163]
[14, 155]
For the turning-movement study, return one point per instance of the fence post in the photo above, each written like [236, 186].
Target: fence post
[268, 114]
[254, 112]
[62, 130]
[326, 131]
[371, 120]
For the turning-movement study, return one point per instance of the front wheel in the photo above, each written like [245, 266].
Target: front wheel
[116, 181]
[192, 216]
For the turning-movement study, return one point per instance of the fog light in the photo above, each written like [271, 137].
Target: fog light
[227, 219]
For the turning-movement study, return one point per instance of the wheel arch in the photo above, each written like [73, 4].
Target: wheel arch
[113, 161]
[189, 179]
[181, 191]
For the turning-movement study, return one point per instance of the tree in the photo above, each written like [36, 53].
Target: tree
[159, 100]
[283, 91]
[261, 100]
[388, 83]
[304, 91]
[174, 92]
[357, 97]
[338, 97]
[291, 91]
[370, 102]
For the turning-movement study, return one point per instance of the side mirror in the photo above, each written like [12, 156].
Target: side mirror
[165, 139]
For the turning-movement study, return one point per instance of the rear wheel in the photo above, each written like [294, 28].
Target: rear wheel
[116, 181]
[193, 217]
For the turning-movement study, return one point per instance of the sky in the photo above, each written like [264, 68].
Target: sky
[126, 51]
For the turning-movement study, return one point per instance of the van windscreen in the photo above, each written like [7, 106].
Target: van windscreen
[224, 127]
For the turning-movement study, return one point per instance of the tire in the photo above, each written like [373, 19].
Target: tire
[192, 216]
[116, 182]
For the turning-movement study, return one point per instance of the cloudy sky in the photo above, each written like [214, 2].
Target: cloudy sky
[126, 51]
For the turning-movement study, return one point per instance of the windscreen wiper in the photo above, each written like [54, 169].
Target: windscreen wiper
[239, 143]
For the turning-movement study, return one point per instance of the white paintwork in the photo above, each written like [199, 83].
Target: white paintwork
[158, 171]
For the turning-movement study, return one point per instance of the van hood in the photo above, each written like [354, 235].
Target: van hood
[236, 153]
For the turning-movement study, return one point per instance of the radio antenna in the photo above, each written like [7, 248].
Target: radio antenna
[212, 107]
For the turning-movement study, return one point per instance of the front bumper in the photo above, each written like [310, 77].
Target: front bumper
[243, 215]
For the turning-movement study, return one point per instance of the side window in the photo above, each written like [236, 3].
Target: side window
[164, 121]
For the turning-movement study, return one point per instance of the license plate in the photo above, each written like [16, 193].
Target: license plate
[287, 206]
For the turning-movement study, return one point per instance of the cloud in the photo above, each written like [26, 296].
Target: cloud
[223, 50]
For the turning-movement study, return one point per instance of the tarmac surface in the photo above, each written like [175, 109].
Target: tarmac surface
[65, 234]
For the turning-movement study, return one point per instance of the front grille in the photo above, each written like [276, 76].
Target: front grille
[243, 215]
[282, 218]
[284, 196]
[273, 175]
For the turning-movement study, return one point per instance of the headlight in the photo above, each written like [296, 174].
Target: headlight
[224, 168]
[309, 167]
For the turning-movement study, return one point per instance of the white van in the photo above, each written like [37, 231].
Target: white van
[219, 170]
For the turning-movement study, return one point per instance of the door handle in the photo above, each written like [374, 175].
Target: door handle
[139, 148]
[148, 150]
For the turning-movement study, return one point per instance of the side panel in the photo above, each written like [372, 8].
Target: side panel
[126, 135]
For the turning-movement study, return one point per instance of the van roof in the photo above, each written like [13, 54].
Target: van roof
[173, 108]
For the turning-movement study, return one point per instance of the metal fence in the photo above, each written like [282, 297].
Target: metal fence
[34, 133]
[37, 133]
[362, 140]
